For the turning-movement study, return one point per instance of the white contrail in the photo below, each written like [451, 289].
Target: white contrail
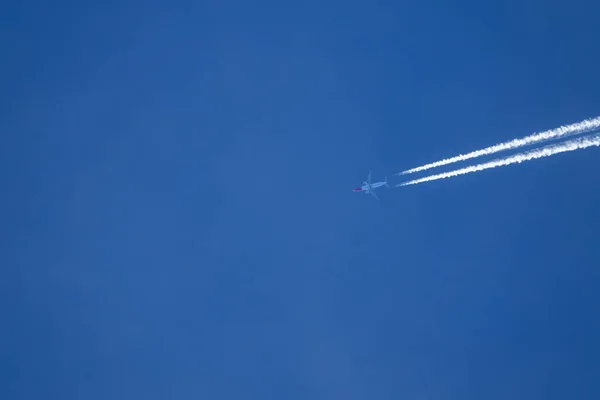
[561, 132]
[570, 145]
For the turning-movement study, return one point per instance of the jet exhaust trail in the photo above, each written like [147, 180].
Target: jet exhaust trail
[563, 131]
[570, 145]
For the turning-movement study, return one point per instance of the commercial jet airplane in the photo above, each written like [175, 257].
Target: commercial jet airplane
[369, 188]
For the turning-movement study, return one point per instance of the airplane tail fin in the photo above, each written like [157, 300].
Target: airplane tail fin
[386, 182]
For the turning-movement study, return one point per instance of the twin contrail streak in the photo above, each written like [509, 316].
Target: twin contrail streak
[587, 125]
[570, 145]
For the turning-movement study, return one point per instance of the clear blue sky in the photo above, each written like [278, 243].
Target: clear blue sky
[178, 220]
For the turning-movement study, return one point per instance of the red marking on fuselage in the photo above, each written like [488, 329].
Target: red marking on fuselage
[358, 189]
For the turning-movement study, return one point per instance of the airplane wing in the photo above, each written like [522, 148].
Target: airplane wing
[369, 177]
[374, 195]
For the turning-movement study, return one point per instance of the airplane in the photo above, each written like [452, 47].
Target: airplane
[369, 188]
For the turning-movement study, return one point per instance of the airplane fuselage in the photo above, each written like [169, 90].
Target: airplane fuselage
[367, 188]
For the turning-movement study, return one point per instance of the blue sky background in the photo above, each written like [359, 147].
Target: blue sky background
[178, 221]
